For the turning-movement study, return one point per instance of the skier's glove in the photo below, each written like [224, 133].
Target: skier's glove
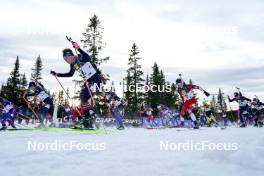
[53, 73]
[75, 45]
[206, 93]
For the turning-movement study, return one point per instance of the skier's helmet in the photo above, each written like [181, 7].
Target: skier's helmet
[32, 84]
[255, 100]
[236, 94]
[178, 82]
[67, 52]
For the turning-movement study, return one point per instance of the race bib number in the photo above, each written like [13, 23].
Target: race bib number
[88, 70]
[43, 95]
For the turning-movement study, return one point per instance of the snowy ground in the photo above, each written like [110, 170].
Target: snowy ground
[134, 152]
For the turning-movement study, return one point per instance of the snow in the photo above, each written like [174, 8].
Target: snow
[134, 151]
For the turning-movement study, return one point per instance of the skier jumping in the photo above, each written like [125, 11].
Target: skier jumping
[186, 92]
[7, 113]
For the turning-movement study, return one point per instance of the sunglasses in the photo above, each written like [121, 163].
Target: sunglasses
[65, 57]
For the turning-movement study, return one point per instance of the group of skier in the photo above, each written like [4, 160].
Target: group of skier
[84, 116]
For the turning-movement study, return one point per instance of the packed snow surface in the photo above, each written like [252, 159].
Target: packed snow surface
[134, 152]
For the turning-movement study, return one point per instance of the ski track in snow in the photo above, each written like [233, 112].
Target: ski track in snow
[134, 152]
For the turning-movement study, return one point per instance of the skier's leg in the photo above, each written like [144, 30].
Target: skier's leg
[43, 112]
[10, 118]
[193, 117]
[242, 117]
[84, 95]
[3, 121]
[118, 117]
[182, 112]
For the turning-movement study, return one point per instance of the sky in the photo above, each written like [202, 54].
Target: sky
[217, 44]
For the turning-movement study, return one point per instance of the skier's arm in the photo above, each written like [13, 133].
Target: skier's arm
[69, 74]
[85, 56]
[182, 98]
[30, 94]
[201, 89]
[247, 99]
[231, 100]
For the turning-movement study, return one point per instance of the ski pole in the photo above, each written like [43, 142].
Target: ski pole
[230, 108]
[62, 86]
[66, 93]
[30, 107]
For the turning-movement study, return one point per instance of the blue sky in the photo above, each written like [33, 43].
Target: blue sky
[219, 44]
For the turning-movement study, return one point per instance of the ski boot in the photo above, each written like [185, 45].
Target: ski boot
[196, 125]
[13, 126]
[243, 125]
[182, 124]
[41, 125]
[88, 122]
[121, 127]
[4, 127]
[52, 124]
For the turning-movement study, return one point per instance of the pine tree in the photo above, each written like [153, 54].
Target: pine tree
[155, 97]
[221, 101]
[93, 42]
[134, 81]
[61, 98]
[147, 92]
[11, 90]
[36, 75]
[171, 97]
[213, 104]
[23, 87]
[161, 94]
[128, 95]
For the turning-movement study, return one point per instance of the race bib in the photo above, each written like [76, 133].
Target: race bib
[260, 107]
[243, 103]
[188, 95]
[88, 70]
[42, 95]
[149, 113]
[7, 108]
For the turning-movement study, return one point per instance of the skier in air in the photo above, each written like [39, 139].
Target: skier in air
[244, 108]
[7, 113]
[186, 92]
[83, 64]
[46, 109]
[117, 108]
[258, 110]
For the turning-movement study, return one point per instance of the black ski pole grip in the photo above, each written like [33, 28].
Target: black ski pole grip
[69, 39]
